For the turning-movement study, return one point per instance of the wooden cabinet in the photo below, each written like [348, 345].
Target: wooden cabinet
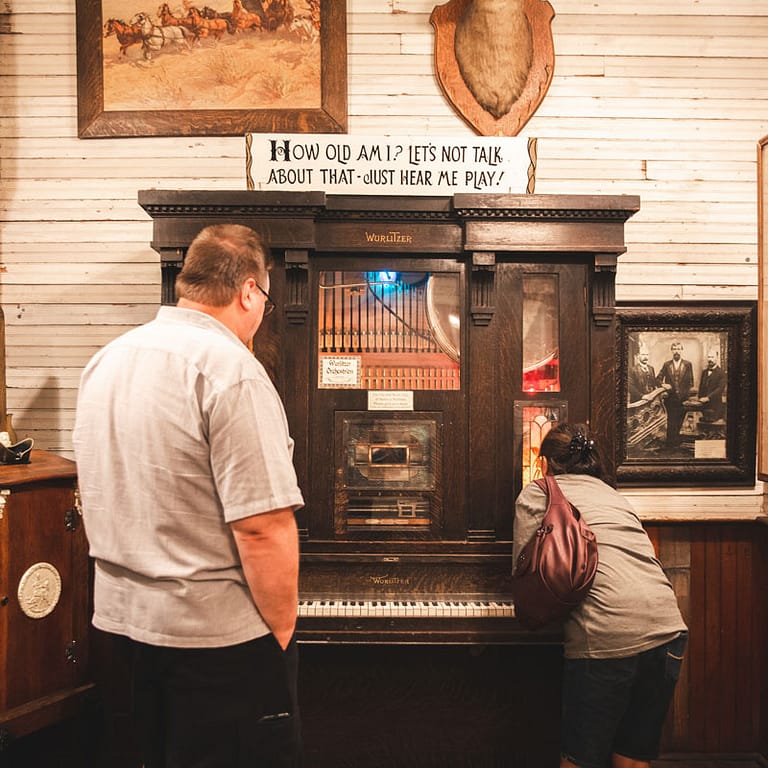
[44, 596]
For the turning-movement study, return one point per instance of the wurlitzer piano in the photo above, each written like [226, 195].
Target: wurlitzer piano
[422, 346]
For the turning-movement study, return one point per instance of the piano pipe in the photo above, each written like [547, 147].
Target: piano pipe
[359, 322]
[324, 316]
[342, 318]
[333, 312]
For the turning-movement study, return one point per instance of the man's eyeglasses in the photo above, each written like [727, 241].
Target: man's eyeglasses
[269, 305]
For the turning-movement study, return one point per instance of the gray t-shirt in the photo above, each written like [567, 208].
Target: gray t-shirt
[631, 606]
[179, 431]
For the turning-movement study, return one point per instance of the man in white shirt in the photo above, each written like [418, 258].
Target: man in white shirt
[189, 491]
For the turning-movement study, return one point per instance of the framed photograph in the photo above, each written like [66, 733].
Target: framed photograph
[762, 332]
[686, 398]
[219, 68]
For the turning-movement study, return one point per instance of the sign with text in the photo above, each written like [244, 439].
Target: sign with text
[403, 165]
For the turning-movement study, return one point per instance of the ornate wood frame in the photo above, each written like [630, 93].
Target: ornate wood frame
[762, 331]
[93, 121]
[654, 464]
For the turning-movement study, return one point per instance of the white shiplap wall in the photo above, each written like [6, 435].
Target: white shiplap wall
[666, 99]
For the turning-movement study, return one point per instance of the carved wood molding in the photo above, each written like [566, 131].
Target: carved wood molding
[296, 287]
[604, 289]
[483, 288]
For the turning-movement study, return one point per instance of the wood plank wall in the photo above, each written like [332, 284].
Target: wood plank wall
[662, 98]
[665, 98]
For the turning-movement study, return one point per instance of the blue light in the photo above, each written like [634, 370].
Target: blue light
[386, 277]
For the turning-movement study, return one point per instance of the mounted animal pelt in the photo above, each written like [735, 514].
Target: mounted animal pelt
[494, 51]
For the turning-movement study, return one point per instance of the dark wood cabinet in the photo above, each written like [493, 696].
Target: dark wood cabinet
[422, 346]
[419, 343]
[44, 596]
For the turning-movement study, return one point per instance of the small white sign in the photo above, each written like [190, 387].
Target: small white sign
[709, 449]
[339, 371]
[379, 400]
[400, 165]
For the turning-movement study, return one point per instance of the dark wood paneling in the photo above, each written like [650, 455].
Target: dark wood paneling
[430, 706]
[760, 582]
[719, 705]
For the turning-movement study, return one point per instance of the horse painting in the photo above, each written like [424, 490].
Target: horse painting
[206, 27]
[167, 19]
[127, 34]
[243, 19]
[154, 38]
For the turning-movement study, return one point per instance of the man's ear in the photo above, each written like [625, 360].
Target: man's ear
[247, 289]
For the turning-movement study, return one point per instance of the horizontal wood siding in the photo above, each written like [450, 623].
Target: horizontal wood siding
[663, 99]
[666, 99]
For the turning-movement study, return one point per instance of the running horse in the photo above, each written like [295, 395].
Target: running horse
[206, 27]
[153, 38]
[243, 19]
[167, 19]
[127, 34]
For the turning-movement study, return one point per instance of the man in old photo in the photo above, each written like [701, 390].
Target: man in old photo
[676, 376]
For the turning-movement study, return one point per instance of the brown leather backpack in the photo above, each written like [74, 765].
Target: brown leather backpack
[556, 568]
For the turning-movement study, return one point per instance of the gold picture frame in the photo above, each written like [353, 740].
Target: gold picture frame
[162, 109]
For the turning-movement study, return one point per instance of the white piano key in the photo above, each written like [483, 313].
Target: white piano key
[432, 608]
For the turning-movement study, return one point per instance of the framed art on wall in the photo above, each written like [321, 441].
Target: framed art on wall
[685, 394]
[762, 333]
[226, 69]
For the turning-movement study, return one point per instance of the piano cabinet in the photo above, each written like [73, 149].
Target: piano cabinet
[422, 347]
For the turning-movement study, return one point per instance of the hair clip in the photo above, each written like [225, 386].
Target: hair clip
[579, 444]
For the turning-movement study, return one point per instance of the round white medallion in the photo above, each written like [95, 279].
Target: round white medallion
[39, 590]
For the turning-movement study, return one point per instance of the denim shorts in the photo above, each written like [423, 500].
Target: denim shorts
[618, 705]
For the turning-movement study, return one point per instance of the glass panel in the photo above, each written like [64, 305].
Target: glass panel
[532, 422]
[388, 330]
[390, 473]
[541, 334]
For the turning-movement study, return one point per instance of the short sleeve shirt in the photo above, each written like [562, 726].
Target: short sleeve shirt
[631, 606]
[179, 432]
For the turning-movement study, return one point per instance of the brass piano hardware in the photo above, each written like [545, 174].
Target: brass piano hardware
[74, 513]
[390, 559]
[4, 494]
[388, 581]
[71, 520]
[70, 652]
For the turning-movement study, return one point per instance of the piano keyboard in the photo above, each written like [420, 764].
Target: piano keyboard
[408, 608]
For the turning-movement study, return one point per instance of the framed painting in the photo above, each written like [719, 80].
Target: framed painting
[762, 331]
[685, 396]
[225, 68]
